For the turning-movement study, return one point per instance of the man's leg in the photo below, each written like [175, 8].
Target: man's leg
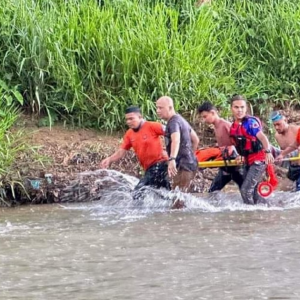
[219, 181]
[238, 176]
[182, 180]
[254, 175]
[160, 177]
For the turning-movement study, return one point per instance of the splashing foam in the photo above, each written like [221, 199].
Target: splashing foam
[115, 190]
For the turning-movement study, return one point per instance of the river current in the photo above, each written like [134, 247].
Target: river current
[119, 248]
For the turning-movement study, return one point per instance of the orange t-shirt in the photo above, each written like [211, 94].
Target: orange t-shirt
[146, 143]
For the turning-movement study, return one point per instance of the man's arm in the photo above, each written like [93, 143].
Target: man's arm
[175, 143]
[266, 146]
[105, 163]
[289, 149]
[195, 140]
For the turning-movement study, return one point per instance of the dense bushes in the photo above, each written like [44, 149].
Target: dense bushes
[87, 60]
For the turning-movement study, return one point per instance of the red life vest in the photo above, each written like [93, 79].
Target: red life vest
[245, 143]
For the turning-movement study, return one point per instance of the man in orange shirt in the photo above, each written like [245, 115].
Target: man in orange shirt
[145, 139]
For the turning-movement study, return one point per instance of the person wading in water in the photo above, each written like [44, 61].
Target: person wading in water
[210, 116]
[251, 144]
[145, 139]
[288, 138]
[181, 143]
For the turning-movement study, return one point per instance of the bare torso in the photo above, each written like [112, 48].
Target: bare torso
[222, 130]
[288, 137]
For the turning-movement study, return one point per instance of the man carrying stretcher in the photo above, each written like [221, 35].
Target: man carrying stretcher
[210, 116]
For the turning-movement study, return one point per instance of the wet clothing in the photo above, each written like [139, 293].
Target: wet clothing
[146, 143]
[294, 175]
[243, 135]
[253, 176]
[186, 158]
[183, 180]
[156, 176]
[224, 176]
[186, 161]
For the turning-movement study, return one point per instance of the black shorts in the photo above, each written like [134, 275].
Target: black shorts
[156, 176]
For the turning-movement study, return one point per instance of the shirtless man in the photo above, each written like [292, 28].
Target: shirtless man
[286, 135]
[210, 116]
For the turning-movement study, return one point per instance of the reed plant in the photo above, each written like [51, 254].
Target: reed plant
[13, 144]
[86, 60]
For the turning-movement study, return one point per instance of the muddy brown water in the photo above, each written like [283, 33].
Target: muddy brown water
[215, 248]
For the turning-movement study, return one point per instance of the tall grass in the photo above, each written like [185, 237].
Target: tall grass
[87, 60]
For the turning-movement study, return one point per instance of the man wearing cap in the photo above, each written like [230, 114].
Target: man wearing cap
[181, 143]
[286, 137]
[145, 139]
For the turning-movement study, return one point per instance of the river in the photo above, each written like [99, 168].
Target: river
[215, 248]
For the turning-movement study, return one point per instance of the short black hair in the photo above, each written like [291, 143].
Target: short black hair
[133, 109]
[206, 106]
[237, 97]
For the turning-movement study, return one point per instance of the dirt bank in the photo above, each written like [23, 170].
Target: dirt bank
[67, 152]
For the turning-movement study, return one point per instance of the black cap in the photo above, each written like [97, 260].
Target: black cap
[133, 109]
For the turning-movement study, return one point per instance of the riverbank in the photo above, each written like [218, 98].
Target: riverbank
[66, 152]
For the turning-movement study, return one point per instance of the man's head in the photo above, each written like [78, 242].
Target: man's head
[279, 122]
[238, 107]
[165, 107]
[208, 112]
[133, 117]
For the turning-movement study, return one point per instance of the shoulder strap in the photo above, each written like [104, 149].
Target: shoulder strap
[254, 118]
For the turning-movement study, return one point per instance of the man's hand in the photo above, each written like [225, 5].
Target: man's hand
[269, 158]
[172, 170]
[279, 158]
[104, 164]
[239, 160]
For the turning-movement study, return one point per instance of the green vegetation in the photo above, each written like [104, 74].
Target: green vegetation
[84, 61]
[12, 144]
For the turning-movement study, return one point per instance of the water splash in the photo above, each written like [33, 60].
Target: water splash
[118, 200]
